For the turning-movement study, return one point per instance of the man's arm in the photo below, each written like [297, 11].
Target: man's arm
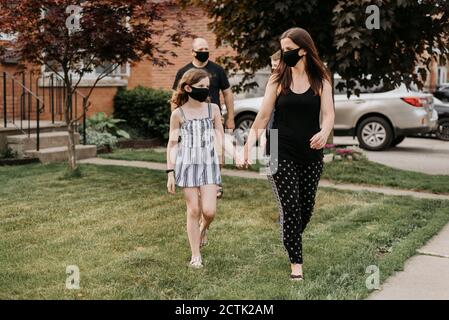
[225, 86]
[229, 102]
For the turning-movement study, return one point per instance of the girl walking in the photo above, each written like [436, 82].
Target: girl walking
[299, 90]
[194, 163]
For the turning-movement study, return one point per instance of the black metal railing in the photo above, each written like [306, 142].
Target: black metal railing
[27, 98]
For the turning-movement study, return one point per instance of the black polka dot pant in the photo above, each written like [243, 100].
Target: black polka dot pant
[295, 185]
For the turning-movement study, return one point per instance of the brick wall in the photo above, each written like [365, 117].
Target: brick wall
[144, 73]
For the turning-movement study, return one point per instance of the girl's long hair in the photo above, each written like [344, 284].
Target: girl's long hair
[317, 72]
[190, 78]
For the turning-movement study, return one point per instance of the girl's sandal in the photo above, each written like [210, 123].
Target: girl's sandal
[220, 192]
[296, 277]
[196, 263]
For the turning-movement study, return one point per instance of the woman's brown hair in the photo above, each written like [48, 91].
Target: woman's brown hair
[317, 72]
[190, 78]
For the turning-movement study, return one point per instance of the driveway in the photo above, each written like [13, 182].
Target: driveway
[425, 155]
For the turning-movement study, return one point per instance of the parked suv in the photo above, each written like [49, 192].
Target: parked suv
[442, 108]
[442, 92]
[379, 119]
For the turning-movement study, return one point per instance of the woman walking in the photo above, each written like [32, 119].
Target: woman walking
[299, 90]
[194, 165]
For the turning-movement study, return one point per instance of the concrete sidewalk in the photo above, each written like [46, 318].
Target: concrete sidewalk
[256, 175]
[425, 276]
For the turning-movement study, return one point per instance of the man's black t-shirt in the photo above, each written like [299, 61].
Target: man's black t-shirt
[218, 79]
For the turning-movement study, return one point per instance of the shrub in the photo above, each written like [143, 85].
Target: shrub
[100, 122]
[8, 153]
[100, 139]
[145, 110]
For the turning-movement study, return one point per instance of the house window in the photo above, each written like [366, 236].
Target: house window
[120, 72]
[7, 37]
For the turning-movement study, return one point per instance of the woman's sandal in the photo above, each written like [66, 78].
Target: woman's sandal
[196, 263]
[296, 277]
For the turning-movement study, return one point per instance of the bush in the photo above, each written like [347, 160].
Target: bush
[100, 122]
[144, 109]
[100, 139]
[8, 153]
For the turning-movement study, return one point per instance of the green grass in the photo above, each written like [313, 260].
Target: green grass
[135, 155]
[127, 235]
[372, 173]
[358, 172]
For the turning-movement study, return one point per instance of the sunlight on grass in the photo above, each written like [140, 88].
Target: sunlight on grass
[127, 235]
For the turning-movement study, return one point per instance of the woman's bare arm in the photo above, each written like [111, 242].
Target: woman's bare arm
[263, 116]
[319, 140]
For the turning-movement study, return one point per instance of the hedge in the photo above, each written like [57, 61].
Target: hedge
[146, 111]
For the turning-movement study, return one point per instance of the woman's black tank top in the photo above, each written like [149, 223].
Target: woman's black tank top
[297, 118]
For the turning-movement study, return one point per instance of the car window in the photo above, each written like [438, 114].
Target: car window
[373, 89]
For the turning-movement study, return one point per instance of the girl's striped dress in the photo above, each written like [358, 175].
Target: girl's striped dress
[197, 162]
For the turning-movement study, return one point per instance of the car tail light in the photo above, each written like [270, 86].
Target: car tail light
[414, 101]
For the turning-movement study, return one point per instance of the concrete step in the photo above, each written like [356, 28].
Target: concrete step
[60, 154]
[12, 130]
[22, 143]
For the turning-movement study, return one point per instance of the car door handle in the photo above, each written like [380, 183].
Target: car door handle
[359, 101]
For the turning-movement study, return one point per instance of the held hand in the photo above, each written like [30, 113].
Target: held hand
[239, 159]
[243, 161]
[171, 183]
[318, 141]
[230, 124]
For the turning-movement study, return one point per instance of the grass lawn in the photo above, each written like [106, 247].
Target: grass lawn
[359, 172]
[127, 235]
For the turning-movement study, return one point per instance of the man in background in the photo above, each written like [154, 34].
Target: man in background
[218, 82]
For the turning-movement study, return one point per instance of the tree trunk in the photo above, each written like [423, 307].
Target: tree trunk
[70, 125]
[71, 147]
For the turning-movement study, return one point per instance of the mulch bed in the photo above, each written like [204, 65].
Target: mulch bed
[17, 162]
[139, 143]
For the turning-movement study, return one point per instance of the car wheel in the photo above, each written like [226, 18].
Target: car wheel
[397, 140]
[242, 126]
[375, 134]
[443, 129]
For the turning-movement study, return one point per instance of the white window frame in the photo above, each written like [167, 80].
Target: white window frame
[93, 75]
[8, 36]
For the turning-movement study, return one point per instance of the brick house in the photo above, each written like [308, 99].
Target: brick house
[145, 74]
[142, 73]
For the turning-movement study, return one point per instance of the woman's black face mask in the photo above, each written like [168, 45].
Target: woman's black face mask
[291, 57]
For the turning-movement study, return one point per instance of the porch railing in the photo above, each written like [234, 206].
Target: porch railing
[27, 98]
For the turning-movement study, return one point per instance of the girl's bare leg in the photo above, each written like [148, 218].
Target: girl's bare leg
[193, 217]
[208, 207]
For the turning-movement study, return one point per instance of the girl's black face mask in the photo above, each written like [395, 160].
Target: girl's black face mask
[199, 94]
[291, 57]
